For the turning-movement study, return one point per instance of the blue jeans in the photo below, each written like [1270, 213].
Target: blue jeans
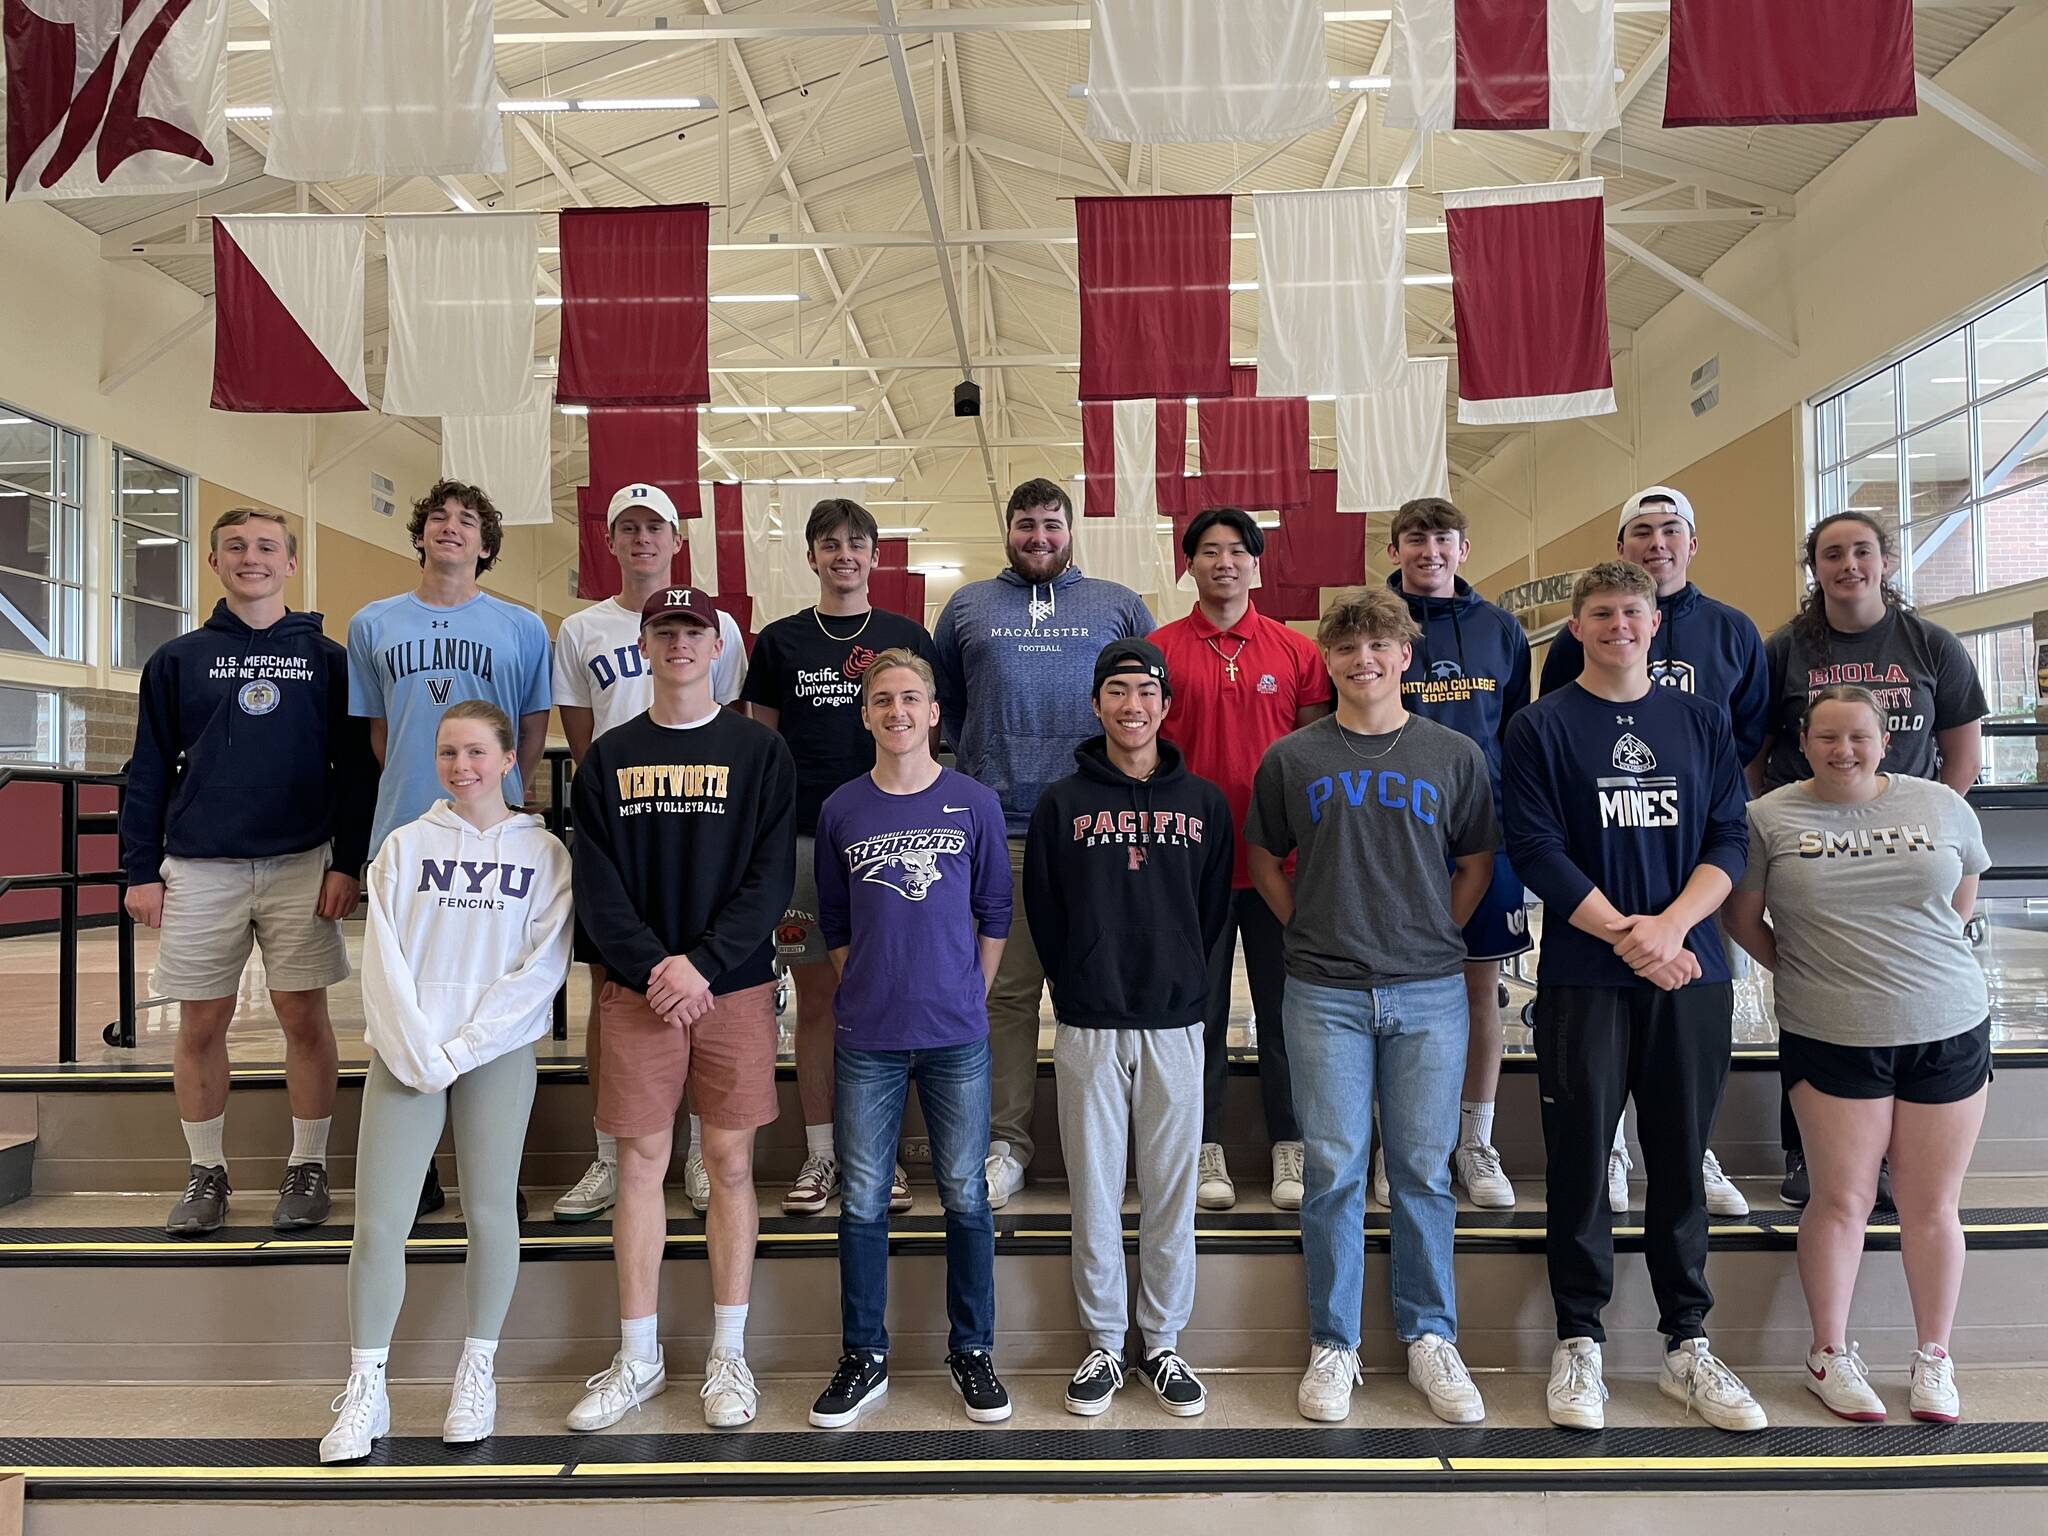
[867, 1123]
[1405, 1043]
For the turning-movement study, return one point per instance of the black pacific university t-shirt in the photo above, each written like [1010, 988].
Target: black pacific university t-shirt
[808, 667]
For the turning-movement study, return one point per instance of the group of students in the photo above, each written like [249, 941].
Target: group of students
[1360, 809]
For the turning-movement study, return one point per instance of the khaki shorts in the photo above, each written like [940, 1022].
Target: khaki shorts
[216, 909]
[726, 1060]
[798, 938]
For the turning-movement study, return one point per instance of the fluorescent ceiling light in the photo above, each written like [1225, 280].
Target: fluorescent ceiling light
[1079, 90]
[742, 410]
[756, 298]
[901, 533]
[153, 543]
[1412, 280]
[248, 114]
[13, 421]
[937, 568]
[257, 111]
[867, 479]
[821, 410]
[802, 480]
[573, 410]
[533, 106]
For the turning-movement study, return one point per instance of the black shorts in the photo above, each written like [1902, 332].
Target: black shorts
[1940, 1072]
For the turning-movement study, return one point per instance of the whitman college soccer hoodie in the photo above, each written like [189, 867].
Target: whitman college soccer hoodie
[245, 749]
[1127, 889]
[466, 945]
[1016, 671]
[1469, 669]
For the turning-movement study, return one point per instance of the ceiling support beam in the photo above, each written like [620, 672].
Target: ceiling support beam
[122, 372]
[1700, 291]
[1975, 123]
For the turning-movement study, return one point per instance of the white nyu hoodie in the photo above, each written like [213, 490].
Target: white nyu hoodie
[466, 946]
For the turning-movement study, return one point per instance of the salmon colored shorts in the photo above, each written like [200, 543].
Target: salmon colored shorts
[726, 1060]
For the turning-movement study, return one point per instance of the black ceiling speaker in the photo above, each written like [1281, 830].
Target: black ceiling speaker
[967, 398]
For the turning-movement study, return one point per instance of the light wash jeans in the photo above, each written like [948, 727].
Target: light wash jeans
[1403, 1045]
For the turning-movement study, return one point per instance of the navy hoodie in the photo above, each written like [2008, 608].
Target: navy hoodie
[1127, 889]
[1470, 668]
[1703, 647]
[245, 749]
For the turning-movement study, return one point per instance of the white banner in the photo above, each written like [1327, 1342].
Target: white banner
[461, 312]
[764, 570]
[1333, 319]
[382, 88]
[702, 532]
[1137, 460]
[106, 104]
[1582, 98]
[510, 456]
[1205, 71]
[1391, 445]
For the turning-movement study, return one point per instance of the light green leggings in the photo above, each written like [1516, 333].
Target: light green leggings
[400, 1130]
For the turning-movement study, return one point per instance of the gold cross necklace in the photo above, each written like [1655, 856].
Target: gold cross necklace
[1230, 661]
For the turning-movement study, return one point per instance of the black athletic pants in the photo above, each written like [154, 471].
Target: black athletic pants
[1596, 1047]
[1265, 967]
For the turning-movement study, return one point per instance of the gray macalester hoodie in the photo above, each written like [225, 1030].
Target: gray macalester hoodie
[1016, 670]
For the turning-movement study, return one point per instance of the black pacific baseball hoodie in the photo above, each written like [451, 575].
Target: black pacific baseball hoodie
[1127, 889]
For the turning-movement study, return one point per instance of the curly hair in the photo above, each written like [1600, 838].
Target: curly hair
[1811, 621]
[491, 526]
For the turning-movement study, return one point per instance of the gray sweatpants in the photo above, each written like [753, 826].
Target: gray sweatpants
[1119, 1085]
[400, 1129]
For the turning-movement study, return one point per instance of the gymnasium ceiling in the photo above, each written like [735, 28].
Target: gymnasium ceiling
[809, 140]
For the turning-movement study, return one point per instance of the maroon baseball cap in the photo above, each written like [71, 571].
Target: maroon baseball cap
[679, 603]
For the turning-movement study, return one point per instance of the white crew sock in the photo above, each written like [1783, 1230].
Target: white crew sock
[309, 1141]
[485, 1350]
[696, 1133]
[367, 1362]
[202, 1140]
[818, 1140]
[1475, 1125]
[729, 1329]
[607, 1148]
[1621, 1134]
[637, 1338]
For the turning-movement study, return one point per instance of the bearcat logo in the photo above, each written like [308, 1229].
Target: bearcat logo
[906, 862]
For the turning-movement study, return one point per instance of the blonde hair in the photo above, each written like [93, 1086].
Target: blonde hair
[1369, 613]
[241, 515]
[899, 656]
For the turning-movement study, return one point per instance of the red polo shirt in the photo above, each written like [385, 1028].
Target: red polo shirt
[1222, 724]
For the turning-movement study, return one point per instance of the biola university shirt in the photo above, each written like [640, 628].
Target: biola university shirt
[408, 661]
[599, 665]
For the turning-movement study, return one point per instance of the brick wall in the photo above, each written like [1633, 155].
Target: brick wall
[99, 729]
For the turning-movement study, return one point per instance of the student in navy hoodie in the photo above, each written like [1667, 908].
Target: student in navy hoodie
[1703, 647]
[1127, 881]
[1624, 806]
[245, 822]
[1015, 654]
[1470, 671]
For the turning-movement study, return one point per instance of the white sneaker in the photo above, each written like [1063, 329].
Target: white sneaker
[1004, 1173]
[1287, 1191]
[1618, 1165]
[697, 1180]
[1935, 1398]
[592, 1195]
[1577, 1394]
[1843, 1386]
[1382, 1191]
[1691, 1375]
[1213, 1189]
[364, 1410]
[473, 1405]
[1477, 1166]
[1723, 1198]
[1437, 1371]
[617, 1390]
[730, 1396]
[1325, 1391]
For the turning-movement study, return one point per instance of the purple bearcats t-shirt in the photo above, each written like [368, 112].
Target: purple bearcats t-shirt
[907, 885]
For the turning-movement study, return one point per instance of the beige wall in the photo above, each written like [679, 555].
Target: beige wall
[210, 502]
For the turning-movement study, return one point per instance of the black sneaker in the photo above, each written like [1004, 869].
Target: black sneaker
[1798, 1186]
[1091, 1388]
[302, 1199]
[1884, 1206]
[204, 1208]
[432, 1196]
[860, 1383]
[1179, 1389]
[520, 1207]
[975, 1379]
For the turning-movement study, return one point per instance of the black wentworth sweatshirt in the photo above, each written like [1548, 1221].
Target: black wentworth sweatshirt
[685, 844]
[1127, 889]
[245, 749]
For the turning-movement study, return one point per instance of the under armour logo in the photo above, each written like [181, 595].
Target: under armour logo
[439, 624]
[1624, 719]
[438, 688]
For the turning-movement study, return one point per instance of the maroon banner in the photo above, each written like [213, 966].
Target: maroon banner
[262, 358]
[728, 507]
[1254, 451]
[1155, 296]
[1316, 547]
[1098, 456]
[1278, 602]
[634, 306]
[1739, 62]
[653, 445]
[892, 554]
[1503, 64]
[895, 590]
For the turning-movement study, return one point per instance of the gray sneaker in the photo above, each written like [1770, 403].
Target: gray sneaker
[302, 1199]
[204, 1207]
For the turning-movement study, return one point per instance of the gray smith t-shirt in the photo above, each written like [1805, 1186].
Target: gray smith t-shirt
[1870, 953]
[1377, 821]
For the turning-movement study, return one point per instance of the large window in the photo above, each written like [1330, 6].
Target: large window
[42, 493]
[153, 556]
[1948, 449]
[2005, 666]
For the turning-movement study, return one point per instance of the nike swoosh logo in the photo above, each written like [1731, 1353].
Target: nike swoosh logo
[957, 808]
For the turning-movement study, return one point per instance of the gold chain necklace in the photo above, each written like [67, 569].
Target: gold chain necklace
[818, 619]
[1230, 661]
[1345, 737]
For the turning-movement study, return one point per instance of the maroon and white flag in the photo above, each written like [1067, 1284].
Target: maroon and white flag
[288, 313]
[115, 98]
[1503, 64]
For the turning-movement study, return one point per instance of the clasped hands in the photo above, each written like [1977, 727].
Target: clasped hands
[678, 992]
[1654, 948]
